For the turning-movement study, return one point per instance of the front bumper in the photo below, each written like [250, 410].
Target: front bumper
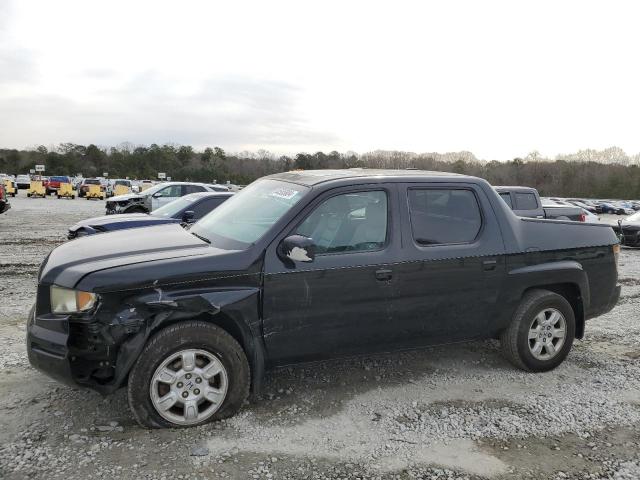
[47, 340]
[630, 238]
[62, 349]
[4, 207]
[83, 349]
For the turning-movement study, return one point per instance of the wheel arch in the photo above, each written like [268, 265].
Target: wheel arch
[235, 311]
[571, 292]
[566, 278]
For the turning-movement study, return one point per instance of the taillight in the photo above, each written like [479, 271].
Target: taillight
[582, 218]
[616, 253]
[1, 192]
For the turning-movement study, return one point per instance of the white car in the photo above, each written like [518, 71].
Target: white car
[157, 196]
[23, 181]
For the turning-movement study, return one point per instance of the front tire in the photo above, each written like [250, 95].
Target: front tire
[541, 332]
[188, 374]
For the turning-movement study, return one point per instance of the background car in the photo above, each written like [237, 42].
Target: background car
[52, 184]
[157, 196]
[84, 186]
[23, 181]
[186, 210]
[628, 230]
[112, 184]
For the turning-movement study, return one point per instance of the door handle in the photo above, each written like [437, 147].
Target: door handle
[384, 275]
[488, 265]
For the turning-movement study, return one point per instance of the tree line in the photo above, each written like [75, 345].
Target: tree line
[607, 173]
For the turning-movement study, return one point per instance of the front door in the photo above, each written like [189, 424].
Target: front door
[165, 195]
[343, 300]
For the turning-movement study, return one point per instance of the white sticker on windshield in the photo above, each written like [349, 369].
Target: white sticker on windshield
[286, 193]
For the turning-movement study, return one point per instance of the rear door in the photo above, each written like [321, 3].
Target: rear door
[453, 264]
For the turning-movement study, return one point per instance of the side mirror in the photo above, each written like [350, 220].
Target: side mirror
[187, 217]
[297, 248]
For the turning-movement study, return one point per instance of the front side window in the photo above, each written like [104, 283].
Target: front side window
[351, 222]
[171, 191]
[444, 216]
[526, 201]
[172, 208]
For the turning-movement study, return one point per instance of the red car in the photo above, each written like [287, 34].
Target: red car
[84, 186]
[53, 184]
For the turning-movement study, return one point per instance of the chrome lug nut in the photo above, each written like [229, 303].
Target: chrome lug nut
[196, 392]
[198, 380]
[187, 376]
[185, 394]
[180, 384]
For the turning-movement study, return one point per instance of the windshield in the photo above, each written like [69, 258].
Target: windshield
[171, 208]
[92, 182]
[246, 217]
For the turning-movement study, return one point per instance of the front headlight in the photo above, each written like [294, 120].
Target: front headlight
[65, 300]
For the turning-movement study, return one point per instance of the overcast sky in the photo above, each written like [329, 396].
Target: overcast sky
[497, 78]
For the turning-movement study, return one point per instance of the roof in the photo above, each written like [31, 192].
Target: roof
[314, 177]
[514, 188]
[209, 194]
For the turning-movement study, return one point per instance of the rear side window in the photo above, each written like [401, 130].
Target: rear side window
[442, 216]
[526, 201]
[506, 196]
[193, 189]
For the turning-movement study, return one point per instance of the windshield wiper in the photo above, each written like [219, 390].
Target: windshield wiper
[204, 239]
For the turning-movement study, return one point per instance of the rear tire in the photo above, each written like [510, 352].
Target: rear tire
[147, 390]
[541, 332]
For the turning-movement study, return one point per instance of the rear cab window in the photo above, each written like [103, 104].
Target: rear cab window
[526, 201]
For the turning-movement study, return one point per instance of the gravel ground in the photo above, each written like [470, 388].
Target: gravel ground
[449, 412]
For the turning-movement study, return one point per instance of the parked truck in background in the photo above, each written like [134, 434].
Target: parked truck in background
[526, 202]
[52, 184]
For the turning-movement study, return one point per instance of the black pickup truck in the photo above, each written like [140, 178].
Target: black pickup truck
[526, 202]
[309, 265]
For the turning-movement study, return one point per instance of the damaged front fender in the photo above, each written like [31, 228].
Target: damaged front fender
[125, 331]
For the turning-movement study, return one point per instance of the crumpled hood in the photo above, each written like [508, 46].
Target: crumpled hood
[71, 261]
